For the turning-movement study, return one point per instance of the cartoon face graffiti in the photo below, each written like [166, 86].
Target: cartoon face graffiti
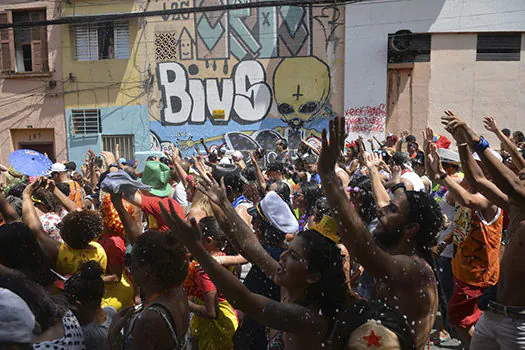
[301, 87]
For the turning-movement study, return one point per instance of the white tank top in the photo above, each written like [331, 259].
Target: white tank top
[416, 181]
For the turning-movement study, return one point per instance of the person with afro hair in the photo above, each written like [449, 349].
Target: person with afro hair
[79, 231]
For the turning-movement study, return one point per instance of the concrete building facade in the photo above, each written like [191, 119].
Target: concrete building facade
[31, 86]
[475, 64]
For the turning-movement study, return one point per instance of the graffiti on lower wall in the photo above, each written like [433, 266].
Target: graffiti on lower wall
[266, 68]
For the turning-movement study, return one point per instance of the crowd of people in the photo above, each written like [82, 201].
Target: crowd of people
[350, 245]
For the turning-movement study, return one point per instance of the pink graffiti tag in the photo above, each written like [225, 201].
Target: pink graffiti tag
[366, 119]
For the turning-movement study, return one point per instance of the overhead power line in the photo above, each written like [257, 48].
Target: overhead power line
[119, 16]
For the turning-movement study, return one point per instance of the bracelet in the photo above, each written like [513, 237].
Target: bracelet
[481, 145]
[442, 177]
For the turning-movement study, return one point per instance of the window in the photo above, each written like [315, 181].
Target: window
[126, 144]
[86, 122]
[406, 47]
[101, 41]
[24, 49]
[499, 47]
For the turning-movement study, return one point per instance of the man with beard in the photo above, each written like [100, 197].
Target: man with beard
[407, 230]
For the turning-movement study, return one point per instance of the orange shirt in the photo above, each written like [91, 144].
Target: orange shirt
[77, 193]
[477, 256]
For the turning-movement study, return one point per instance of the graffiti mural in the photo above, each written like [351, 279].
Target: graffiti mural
[276, 72]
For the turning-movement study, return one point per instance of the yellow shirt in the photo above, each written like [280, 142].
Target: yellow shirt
[70, 260]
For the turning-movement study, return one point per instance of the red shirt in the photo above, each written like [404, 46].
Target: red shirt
[198, 283]
[151, 206]
[115, 248]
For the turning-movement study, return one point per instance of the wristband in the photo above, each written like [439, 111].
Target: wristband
[481, 145]
[442, 177]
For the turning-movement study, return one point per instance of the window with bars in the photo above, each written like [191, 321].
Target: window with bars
[86, 122]
[101, 41]
[499, 47]
[126, 144]
[23, 50]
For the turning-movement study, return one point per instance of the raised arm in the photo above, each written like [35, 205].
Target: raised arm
[378, 190]
[281, 316]
[354, 233]
[177, 165]
[258, 173]
[503, 177]
[132, 227]
[474, 174]
[517, 159]
[30, 218]
[204, 146]
[64, 200]
[437, 174]
[239, 233]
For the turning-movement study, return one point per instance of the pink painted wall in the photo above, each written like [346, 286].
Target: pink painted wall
[29, 100]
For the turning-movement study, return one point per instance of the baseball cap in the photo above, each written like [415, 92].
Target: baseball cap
[57, 168]
[17, 322]
[448, 156]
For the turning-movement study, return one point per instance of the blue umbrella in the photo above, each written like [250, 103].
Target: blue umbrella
[29, 162]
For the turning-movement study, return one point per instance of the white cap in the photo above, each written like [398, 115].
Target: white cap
[17, 322]
[449, 156]
[278, 213]
[57, 168]
[496, 154]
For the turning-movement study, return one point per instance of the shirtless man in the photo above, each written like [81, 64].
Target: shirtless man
[395, 252]
[502, 326]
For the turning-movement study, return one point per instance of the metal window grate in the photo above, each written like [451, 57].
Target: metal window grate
[166, 46]
[499, 47]
[86, 121]
[126, 145]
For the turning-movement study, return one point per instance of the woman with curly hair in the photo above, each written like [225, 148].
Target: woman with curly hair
[79, 231]
[310, 274]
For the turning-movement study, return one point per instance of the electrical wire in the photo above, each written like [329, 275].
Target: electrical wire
[115, 17]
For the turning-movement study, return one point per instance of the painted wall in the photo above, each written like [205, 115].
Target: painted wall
[115, 86]
[29, 100]
[456, 80]
[117, 120]
[276, 72]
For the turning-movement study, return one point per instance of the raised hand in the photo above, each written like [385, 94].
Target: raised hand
[404, 134]
[33, 186]
[330, 150]
[188, 234]
[490, 124]
[215, 192]
[396, 174]
[109, 158]
[435, 168]
[428, 138]
[374, 161]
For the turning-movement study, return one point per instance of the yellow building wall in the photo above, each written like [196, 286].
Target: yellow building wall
[101, 83]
